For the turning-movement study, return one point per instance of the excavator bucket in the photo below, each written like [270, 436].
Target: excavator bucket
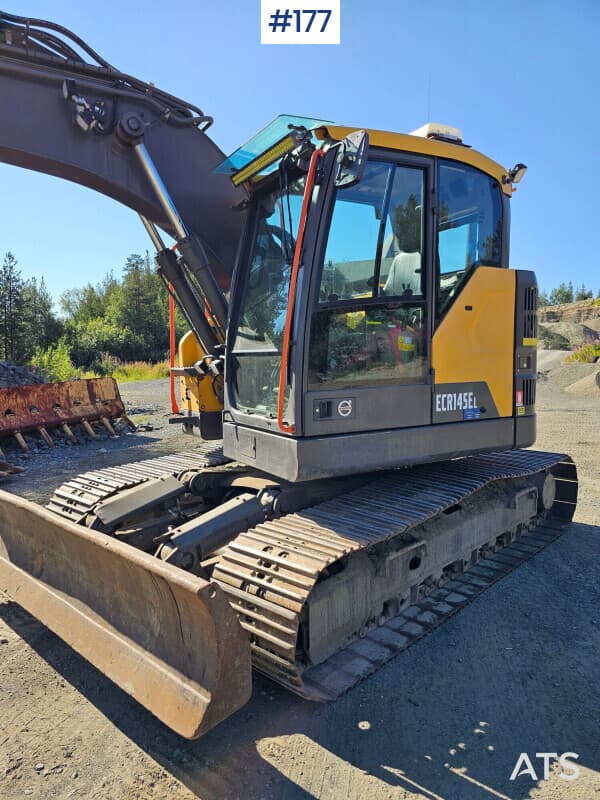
[166, 637]
[40, 406]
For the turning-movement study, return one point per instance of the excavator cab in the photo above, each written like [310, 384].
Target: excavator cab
[376, 316]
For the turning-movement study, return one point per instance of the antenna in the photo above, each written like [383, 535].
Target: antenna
[429, 97]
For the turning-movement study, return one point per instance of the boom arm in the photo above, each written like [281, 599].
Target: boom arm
[94, 125]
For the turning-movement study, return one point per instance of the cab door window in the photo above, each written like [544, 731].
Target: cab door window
[375, 242]
[369, 323]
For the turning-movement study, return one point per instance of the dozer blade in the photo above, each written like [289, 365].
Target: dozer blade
[168, 638]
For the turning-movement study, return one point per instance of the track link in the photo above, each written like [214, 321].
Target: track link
[352, 664]
[76, 498]
[268, 572]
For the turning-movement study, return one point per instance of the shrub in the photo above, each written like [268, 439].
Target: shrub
[55, 363]
[105, 365]
[588, 354]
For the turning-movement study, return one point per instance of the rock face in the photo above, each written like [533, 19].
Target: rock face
[570, 312]
[11, 376]
[569, 325]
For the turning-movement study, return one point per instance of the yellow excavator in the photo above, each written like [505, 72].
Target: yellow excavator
[360, 371]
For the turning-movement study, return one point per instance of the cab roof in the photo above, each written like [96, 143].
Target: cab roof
[260, 154]
[409, 143]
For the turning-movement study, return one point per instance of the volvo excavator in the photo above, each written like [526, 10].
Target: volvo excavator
[360, 372]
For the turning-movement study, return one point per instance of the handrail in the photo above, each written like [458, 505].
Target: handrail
[174, 406]
[310, 182]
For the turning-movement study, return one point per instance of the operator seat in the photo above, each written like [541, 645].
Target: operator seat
[404, 275]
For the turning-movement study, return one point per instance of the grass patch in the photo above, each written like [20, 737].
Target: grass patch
[127, 371]
[588, 354]
[141, 371]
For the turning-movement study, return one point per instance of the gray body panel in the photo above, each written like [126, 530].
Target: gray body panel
[327, 456]
[364, 408]
[454, 402]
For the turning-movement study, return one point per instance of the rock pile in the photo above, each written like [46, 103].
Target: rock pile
[11, 375]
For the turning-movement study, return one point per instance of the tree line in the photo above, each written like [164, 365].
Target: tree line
[565, 293]
[120, 319]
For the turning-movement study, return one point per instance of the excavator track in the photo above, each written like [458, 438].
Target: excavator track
[76, 498]
[269, 572]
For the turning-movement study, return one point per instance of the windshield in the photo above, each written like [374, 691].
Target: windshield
[258, 342]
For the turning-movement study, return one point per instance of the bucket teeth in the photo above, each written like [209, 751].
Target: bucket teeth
[69, 433]
[46, 436]
[38, 408]
[108, 426]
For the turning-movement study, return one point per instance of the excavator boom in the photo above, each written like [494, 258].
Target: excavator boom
[62, 116]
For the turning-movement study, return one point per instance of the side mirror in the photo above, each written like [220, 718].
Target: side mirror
[352, 159]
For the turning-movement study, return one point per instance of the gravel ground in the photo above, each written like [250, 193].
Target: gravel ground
[517, 671]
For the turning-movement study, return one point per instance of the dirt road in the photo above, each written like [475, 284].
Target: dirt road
[518, 671]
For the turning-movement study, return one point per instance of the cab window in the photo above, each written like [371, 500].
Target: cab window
[256, 348]
[469, 232]
[369, 322]
[375, 242]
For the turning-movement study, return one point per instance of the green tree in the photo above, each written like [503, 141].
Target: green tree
[90, 340]
[141, 307]
[83, 304]
[583, 294]
[119, 319]
[561, 294]
[12, 323]
[42, 328]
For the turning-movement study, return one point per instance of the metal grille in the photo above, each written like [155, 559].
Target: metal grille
[530, 315]
[529, 392]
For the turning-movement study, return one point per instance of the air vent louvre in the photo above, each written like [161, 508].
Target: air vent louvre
[530, 315]
[529, 392]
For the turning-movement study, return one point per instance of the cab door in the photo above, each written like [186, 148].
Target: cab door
[366, 348]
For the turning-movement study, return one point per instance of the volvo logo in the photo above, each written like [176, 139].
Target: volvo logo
[344, 408]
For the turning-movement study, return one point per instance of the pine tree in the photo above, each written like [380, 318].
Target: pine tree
[42, 329]
[562, 294]
[583, 294]
[12, 323]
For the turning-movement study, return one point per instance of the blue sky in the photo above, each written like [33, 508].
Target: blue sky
[519, 78]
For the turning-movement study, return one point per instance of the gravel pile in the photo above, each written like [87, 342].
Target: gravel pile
[11, 375]
[547, 359]
[566, 375]
[588, 386]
